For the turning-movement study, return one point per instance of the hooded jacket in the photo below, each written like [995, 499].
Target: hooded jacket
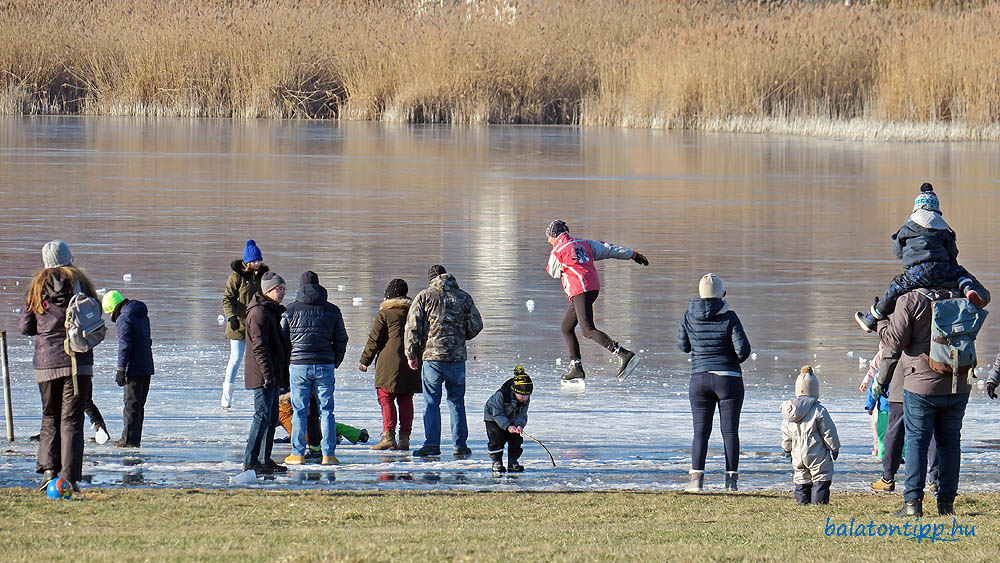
[504, 409]
[572, 260]
[240, 289]
[808, 432]
[441, 318]
[50, 359]
[314, 326]
[268, 349]
[925, 237]
[385, 348]
[713, 335]
[135, 345]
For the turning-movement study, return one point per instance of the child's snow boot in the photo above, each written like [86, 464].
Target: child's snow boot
[515, 467]
[627, 361]
[969, 290]
[913, 507]
[575, 371]
[866, 321]
[403, 443]
[731, 477]
[881, 484]
[498, 467]
[388, 441]
[697, 481]
[821, 492]
[803, 493]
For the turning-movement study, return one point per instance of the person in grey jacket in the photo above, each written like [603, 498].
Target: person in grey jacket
[714, 337]
[809, 438]
[506, 415]
[441, 319]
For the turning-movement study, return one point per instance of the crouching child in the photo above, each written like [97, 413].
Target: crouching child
[506, 415]
[809, 439]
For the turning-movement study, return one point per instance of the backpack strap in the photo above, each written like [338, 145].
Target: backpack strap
[72, 360]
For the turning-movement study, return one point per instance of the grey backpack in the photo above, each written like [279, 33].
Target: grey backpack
[85, 327]
[955, 323]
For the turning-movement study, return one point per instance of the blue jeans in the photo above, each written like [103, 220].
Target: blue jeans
[939, 416]
[452, 376]
[265, 418]
[307, 379]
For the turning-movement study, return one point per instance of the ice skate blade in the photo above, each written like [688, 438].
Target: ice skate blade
[578, 383]
[632, 364]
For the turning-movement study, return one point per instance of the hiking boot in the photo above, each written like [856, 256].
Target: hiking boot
[427, 451]
[47, 476]
[575, 371]
[273, 467]
[731, 477]
[627, 361]
[911, 508]
[697, 483]
[293, 459]
[881, 484]
[498, 467]
[946, 507]
[866, 321]
[330, 460]
[403, 443]
[515, 467]
[364, 436]
[388, 441]
[463, 450]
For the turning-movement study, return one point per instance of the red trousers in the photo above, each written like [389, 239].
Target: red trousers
[405, 402]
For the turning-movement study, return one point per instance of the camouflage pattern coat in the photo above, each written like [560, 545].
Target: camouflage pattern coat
[441, 318]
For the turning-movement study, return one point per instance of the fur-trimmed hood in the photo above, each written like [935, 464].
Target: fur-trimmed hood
[237, 266]
[396, 303]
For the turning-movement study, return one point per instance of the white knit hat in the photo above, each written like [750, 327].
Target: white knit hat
[711, 286]
[806, 385]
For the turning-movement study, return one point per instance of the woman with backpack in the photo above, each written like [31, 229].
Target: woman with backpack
[65, 394]
[242, 284]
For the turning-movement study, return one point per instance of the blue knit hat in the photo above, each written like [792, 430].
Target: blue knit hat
[927, 199]
[251, 253]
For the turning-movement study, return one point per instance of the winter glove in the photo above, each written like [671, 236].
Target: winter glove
[991, 389]
[640, 259]
[835, 454]
[267, 383]
[878, 390]
[120, 377]
[234, 323]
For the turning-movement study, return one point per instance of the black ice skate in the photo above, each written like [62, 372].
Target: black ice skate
[626, 362]
[575, 371]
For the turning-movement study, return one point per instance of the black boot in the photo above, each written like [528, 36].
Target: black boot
[731, 477]
[627, 361]
[498, 462]
[47, 476]
[866, 321]
[821, 492]
[911, 508]
[946, 507]
[515, 467]
[575, 371]
[803, 493]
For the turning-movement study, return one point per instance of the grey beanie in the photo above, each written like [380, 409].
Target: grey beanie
[806, 384]
[270, 281]
[56, 253]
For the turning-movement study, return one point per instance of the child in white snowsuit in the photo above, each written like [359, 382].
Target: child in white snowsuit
[809, 439]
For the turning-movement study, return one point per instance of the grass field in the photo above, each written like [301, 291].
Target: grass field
[921, 69]
[146, 524]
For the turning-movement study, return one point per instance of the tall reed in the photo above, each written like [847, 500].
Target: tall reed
[927, 69]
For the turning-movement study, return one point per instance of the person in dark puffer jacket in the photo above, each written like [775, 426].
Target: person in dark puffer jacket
[714, 337]
[315, 329]
[135, 362]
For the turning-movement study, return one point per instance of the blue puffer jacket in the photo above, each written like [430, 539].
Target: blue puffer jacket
[714, 336]
[915, 244]
[135, 346]
[315, 328]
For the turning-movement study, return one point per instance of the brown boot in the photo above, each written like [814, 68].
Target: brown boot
[388, 441]
[403, 444]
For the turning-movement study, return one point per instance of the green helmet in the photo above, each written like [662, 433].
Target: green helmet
[111, 301]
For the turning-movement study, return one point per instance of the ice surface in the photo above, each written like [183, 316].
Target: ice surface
[221, 319]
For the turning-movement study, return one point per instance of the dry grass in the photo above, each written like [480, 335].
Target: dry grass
[881, 70]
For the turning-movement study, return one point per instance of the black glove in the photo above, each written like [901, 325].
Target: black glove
[267, 383]
[120, 377]
[234, 323]
[991, 389]
[835, 454]
[640, 259]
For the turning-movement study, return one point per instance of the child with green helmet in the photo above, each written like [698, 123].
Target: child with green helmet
[135, 361]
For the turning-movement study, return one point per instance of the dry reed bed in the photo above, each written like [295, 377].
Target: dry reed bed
[891, 71]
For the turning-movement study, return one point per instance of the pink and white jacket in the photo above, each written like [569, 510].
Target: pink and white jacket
[572, 259]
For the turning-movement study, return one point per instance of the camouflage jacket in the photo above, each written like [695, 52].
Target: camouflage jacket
[441, 318]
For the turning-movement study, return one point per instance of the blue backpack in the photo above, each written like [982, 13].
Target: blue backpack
[955, 323]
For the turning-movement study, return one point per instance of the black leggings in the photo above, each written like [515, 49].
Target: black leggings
[581, 310]
[706, 391]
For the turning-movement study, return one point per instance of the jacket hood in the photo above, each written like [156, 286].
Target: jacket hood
[57, 290]
[237, 266]
[704, 309]
[444, 282]
[259, 300]
[929, 220]
[136, 309]
[311, 294]
[396, 303]
[797, 408]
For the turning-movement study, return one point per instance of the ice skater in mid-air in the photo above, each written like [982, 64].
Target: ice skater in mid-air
[572, 259]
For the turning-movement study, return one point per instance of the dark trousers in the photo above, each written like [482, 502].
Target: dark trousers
[265, 418]
[928, 274]
[705, 392]
[498, 437]
[895, 437]
[136, 390]
[93, 413]
[815, 493]
[581, 311]
[60, 445]
[928, 416]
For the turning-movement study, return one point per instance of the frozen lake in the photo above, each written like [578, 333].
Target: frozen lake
[798, 228]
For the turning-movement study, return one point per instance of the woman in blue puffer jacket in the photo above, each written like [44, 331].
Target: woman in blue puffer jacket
[714, 337]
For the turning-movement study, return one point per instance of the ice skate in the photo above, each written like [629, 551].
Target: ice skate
[627, 363]
[575, 371]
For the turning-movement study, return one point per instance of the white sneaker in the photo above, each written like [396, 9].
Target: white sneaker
[225, 404]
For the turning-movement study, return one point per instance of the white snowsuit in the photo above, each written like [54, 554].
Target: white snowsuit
[808, 432]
